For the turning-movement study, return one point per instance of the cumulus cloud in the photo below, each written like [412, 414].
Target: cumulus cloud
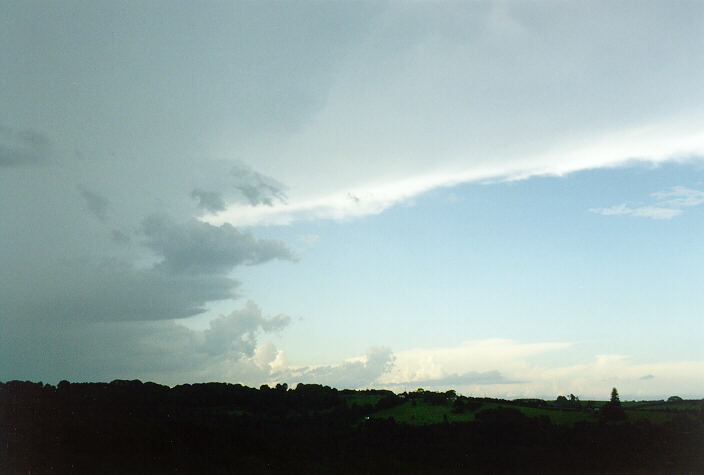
[508, 368]
[243, 325]
[669, 203]
[355, 373]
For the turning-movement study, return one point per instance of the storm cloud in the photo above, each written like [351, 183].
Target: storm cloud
[157, 350]
[196, 247]
[137, 157]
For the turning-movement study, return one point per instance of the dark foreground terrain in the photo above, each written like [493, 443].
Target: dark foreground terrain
[135, 427]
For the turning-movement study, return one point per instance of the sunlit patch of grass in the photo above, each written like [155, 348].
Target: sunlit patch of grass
[422, 413]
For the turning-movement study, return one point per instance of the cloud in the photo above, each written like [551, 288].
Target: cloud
[257, 188]
[209, 200]
[96, 203]
[680, 196]
[22, 147]
[653, 212]
[120, 237]
[365, 107]
[669, 204]
[429, 96]
[508, 368]
[197, 247]
[236, 332]
[473, 367]
[355, 373]
[109, 290]
[162, 351]
[460, 380]
[656, 212]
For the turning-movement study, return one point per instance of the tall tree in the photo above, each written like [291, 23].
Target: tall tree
[612, 410]
[615, 401]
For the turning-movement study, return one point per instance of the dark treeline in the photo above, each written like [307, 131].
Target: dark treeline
[129, 426]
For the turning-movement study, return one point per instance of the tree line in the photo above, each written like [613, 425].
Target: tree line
[130, 426]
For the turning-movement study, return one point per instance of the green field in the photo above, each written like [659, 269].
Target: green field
[422, 414]
[419, 412]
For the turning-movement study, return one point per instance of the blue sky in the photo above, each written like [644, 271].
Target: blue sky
[526, 260]
[504, 198]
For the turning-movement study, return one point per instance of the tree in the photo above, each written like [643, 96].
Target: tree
[612, 410]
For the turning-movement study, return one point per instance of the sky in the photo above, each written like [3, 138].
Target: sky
[502, 198]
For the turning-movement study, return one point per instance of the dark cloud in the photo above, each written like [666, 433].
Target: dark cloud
[110, 290]
[257, 188]
[24, 147]
[197, 247]
[96, 203]
[646, 377]
[162, 351]
[208, 200]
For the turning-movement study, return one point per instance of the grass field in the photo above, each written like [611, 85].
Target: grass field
[422, 413]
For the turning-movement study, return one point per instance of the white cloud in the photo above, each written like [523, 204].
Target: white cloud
[656, 212]
[654, 144]
[500, 367]
[359, 372]
[680, 196]
[653, 212]
[481, 355]
[669, 204]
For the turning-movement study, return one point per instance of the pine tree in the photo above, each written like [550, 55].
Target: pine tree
[615, 401]
[612, 410]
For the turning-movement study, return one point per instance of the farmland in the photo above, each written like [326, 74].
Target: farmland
[130, 426]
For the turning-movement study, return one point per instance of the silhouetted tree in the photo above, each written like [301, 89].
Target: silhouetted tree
[612, 411]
